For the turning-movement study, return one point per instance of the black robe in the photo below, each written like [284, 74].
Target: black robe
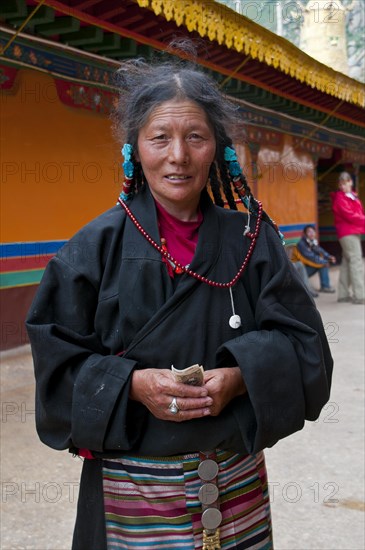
[108, 292]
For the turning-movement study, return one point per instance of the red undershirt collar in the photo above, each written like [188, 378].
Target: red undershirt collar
[181, 236]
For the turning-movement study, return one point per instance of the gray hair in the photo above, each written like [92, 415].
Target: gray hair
[144, 86]
[344, 177]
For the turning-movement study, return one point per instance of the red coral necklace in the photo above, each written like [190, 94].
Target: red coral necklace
[163, 251]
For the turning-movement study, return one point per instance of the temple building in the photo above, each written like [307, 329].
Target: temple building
[323, 33]
[303, 122]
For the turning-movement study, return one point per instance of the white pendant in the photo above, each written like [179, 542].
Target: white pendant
[235, 321]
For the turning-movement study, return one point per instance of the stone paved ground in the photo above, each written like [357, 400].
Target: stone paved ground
[316, 475]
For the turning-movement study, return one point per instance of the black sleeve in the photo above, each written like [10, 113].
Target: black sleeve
[286, 363]
[81, 388]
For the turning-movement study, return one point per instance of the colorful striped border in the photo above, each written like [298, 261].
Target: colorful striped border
[293, 232]
[23, 264]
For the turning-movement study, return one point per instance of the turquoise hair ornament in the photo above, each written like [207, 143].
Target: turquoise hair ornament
[234, 167]
[128, 168]
[128, 165]
[229, 154]
[127, 151]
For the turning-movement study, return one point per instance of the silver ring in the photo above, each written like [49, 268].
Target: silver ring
[173, 407]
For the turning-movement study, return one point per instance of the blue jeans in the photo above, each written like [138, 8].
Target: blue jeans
[323, 275]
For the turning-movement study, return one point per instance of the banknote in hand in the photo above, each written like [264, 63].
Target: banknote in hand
[194, 375]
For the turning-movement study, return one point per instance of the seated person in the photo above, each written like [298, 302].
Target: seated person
[300, 268]
[315, 258]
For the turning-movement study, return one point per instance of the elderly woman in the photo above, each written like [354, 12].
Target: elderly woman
[167, 278]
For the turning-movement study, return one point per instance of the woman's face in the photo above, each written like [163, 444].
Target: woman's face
[176, 148]
[346, 186]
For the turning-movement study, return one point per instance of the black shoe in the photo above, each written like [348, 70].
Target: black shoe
[327, 289]
[343, 300]
[358, 301]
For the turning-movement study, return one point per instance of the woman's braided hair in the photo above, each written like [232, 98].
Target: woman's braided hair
[145, 85]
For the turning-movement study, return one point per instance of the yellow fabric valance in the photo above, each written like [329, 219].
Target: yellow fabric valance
[217, 22]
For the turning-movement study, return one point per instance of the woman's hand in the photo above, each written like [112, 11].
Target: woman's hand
[223, 385]
[156, 388]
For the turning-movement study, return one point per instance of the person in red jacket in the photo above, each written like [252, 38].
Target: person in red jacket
[349, 217]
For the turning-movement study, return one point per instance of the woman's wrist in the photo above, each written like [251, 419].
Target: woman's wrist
[135, 386]
[239, 382]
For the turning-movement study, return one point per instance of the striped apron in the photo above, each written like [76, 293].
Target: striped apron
[151, 503]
